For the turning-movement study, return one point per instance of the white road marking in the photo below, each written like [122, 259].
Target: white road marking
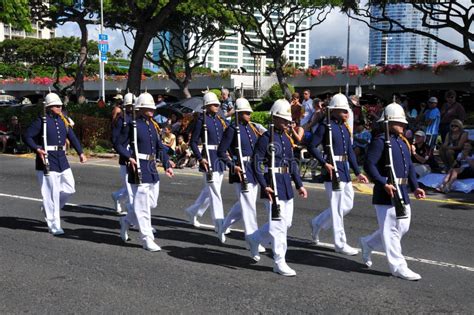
[211, 227]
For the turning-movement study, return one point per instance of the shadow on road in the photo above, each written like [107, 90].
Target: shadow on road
[23, 224]
[214, 257]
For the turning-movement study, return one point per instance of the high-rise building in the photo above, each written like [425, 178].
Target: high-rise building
[231, 54]
[401, 48]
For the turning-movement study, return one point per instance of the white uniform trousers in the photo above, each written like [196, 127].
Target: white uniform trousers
[274, 233]
[340, 204]
[245, 208]
[389, 235]
[144, 198]
[210, 196]
[122, 193]
[56, 190]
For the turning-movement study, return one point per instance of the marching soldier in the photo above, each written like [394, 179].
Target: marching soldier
[145, 148]
[120, 121]
[47, 137]
[210, 129]
[335, 135]
[389, 165]
[281, 168]
[241, 171]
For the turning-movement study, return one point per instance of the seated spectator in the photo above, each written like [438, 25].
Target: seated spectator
[169, 140]
[3, 136]
[453, 144]
[14, 142]
[183, 154]
[431, 120]
[362, 138]
[420, 154]
[464, 168]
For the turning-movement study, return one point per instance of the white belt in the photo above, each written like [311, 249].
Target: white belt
[244, 158]
[402, 181]
[340, 158]
[281, 170]
[211, 146]
[55, 148]
[148, 157]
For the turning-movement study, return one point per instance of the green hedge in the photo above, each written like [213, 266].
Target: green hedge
[261, 118]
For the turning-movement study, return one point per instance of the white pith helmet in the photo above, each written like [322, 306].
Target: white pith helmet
[281, 108]
[339, 101]
[145, 100]
[118, 97]
[242, 105]
[394, 112]
[129, 99]
[210, 98]
[52, 99]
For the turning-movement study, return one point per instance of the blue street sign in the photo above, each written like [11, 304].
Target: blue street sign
[104, 48]
[103, 37]
[103, 58]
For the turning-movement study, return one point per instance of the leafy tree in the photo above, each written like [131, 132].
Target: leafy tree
[144, 19]
[59, 53]
[16, 13]
[64, 11]
[267, 27]
[193, 29]
[435, 15]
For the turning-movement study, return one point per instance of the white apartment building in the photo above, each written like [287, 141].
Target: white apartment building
[8, 32]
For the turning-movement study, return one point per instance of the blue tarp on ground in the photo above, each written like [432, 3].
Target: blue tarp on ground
[433, 180]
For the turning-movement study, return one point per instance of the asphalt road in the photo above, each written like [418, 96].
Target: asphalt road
[90, 270]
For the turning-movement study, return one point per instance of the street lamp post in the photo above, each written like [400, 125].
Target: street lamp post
[321, 58]
[348, 48]
[101, 64]
[386, 38]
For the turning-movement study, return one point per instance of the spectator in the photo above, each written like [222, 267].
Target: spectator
[308, 109]
[317, 117]
[362, 138]
[432, 119]
[296, 108]
[450, 110]
[160, 101]
[226, 104]
[3, 136]
[420, 154]
[117, 107]
[453, 144]
[464, 169]
[356, 108]
[183, 154]
[169, 140]
[420, 118]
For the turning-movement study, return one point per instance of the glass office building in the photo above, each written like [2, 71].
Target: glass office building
[401, 48]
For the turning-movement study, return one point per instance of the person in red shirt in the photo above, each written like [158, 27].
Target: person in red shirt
[449, 111]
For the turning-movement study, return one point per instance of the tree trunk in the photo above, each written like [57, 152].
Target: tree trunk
[81, 63]
[281, 77]
[140, 46]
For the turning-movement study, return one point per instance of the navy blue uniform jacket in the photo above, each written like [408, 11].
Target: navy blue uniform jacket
[248, 139]
[341, 143]
[215, 133]
[56, 136]
[283, 157]
[149, 142]
[377, 171]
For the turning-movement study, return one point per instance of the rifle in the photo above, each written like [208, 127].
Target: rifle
[397, 200]
[206, 148]
[137, 174]
[335, 179]
[243, 180]
[44, 120]
[276, 211]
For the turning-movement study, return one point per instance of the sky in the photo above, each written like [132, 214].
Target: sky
[326, 39]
